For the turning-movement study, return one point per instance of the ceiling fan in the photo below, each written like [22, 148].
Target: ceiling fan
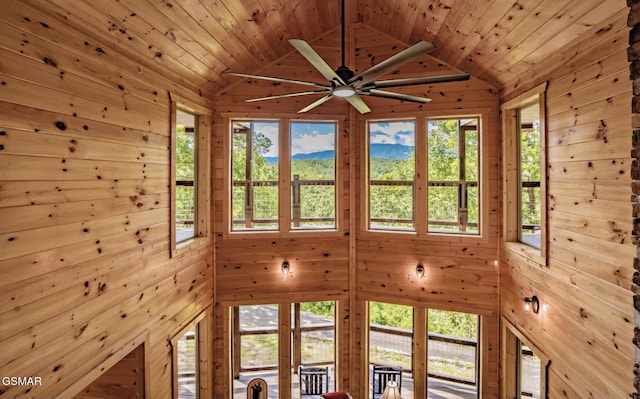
[346, 84]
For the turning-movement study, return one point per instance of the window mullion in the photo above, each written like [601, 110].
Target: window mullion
[420, 179]
[284, 189]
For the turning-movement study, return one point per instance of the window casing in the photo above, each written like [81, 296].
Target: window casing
[189, 349]
[189, 162]
[524, 173]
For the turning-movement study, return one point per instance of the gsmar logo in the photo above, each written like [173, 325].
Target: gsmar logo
[21, 381]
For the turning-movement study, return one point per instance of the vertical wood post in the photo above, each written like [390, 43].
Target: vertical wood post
[236, 344]
[297, 338]
[633, 53]
[295, 187]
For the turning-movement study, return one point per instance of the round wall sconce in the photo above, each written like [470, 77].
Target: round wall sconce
[532, 303]
[420, 270]
[285, 268]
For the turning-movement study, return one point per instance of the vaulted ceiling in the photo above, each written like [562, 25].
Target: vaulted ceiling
[193, 41]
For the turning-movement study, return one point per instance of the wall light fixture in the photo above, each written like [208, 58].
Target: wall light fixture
[420, 270]
[532, 303]
[285, 268]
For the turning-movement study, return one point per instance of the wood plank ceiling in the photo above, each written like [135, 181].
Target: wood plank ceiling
[498, 41]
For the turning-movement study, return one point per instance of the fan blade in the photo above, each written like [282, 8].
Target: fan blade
[358, 103]
[394, 62]
[396, 96]
[380, 84]
[304, 93]
[321, 65]
[315, 104]
[280, 80]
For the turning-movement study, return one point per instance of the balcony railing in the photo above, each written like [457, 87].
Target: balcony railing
[252, 204]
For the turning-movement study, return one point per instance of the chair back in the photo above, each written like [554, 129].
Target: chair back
[313, 380]
[381, 375]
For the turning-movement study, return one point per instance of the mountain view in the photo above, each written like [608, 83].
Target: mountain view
[389, 151]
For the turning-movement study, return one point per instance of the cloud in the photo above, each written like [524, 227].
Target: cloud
[315, 141]
[400, 132]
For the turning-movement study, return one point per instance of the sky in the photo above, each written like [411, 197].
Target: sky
[395, 132]
[306, 137]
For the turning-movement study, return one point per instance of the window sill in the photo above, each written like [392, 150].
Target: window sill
[530, 253]
[189, 245]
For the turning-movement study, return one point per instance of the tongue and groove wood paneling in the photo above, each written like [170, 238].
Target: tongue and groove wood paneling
[84, 204]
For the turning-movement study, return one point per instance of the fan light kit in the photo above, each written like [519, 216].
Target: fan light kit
[344, 83]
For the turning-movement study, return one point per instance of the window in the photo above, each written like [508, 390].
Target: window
[283, 175]
[526, 369]
[529, 146]
[190, 130]
[189, 349]
[391, 175]
[313, 174]
[453, 167]
[185, 175]
[274, 341]
[255, 159]
[445, 199]
[525, 174]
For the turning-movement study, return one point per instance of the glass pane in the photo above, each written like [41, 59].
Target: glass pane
[314, 344]
[188, 365]
[258, 348]
[452, 349]
[313, 171]
[254, 175]
[530, 192]
[453, 162]
[529, 374]
[390, 347]
[442, 138]
[391, 174]
[443, 208]
[185, 175]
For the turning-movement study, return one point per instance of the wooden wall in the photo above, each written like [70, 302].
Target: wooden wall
[586, 281]
[463, 272]
[84, 204]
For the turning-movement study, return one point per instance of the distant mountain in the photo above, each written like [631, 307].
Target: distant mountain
[391, 151]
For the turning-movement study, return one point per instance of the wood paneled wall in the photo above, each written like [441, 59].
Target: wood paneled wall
[463, 272]
[586, 281]
[84, 208]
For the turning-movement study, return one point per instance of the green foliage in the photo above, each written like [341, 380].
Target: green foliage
[453, 323]
[391, 315]
[323, 308]
[185, 170]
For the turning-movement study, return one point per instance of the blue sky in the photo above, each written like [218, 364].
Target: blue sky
[395, 132]
[306, 137]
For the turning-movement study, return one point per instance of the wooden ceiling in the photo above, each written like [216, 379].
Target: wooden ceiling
[497, 41]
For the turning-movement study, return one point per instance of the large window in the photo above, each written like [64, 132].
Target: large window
[190, 130]
[313, 174]
[300, 350]
[255, 159]
[453, 175]
[400, 151]
[283, 175]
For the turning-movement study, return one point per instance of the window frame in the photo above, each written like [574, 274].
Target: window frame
[285, 228]
[366, 204]
[204, 354]
[511, 200]
[484, 116]
[201, 173]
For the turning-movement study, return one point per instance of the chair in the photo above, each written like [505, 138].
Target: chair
[313, 380]
[381, 375]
